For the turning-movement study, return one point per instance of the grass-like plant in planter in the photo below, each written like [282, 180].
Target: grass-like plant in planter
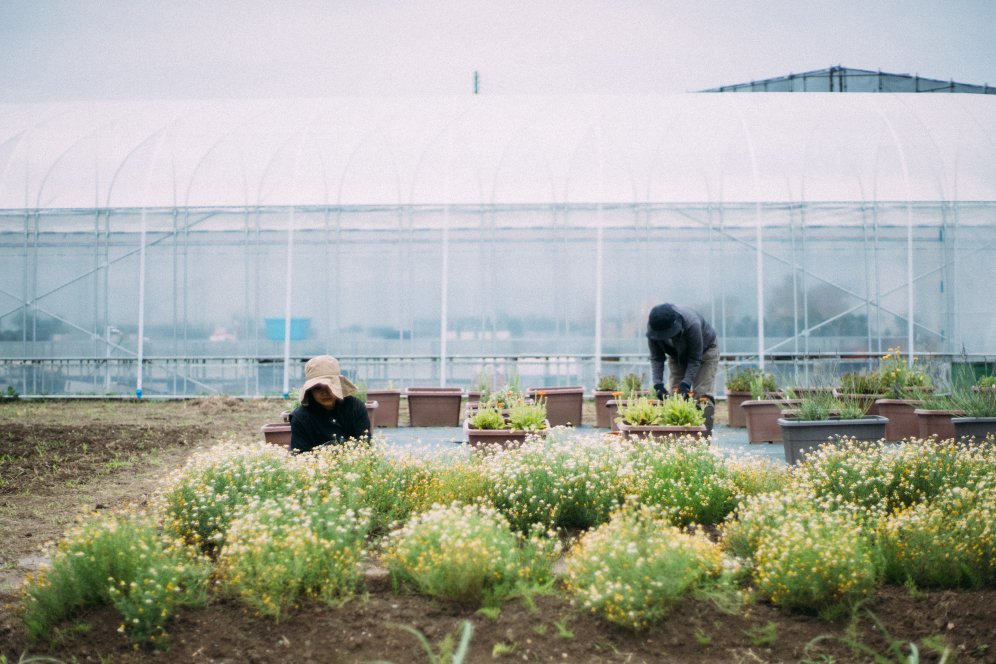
[739, 388]
[820, 418]
[675, 415]
[979, 408]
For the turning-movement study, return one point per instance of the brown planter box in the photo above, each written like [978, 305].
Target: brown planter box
[473, 395]
[936, 424]
[434, 406]
[563, 404]
[603, 417]
[737, 418]
[504, 437]
[389, 405]
[902, 418]
[277, 434]
[872, 408]
[372, 408]
[658, 431]
[762, 421]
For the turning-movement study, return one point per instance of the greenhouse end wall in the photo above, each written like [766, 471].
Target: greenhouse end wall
[522, 291]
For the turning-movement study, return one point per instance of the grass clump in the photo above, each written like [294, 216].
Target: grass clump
[742, 378]
[121, 560]
[528, 417]
[303, 545]
[468, 553]
[636, 568]
[949, 543]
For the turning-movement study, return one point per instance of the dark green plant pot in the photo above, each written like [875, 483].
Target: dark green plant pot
[978, 427]
[800, 437]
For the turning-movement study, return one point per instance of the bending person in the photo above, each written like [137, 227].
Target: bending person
[328, 414]
[688, 343]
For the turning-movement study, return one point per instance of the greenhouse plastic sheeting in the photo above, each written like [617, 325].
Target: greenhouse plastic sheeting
[481, 226]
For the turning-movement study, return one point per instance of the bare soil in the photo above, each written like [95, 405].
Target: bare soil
[62, 457]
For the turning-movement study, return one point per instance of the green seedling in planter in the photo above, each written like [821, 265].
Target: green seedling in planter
[974, 403]
[674, 410]
[740, 379]
[361, 390]
[488, 417]
[632, 383]
[608, 384]
[528, 417]
[896, 375]
[986, 383]
[820, 406]
[506, 397]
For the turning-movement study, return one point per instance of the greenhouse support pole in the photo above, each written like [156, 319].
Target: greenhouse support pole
[444, 313]
[141, 266]
[287, 301]
[599, 234]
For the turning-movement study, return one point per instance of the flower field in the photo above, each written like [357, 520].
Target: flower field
[624, 531]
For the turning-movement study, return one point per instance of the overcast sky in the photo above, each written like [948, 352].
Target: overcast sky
[59, 50]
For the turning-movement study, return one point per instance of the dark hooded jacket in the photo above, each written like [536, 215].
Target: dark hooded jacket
[314, 425]
[686, 347]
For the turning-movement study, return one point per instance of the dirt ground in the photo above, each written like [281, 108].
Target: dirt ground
[57, 458]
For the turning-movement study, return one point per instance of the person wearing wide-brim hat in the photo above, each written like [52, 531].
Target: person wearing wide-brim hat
[328, 414]
[687, 341]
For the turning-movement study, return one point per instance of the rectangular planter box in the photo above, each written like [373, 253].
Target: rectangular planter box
[389, 404]
[563, 404]
[936, 424]
[504, 437]
[434, 406]
[762, 420]
[372, 408]
[657, 431]
[802, 437]
[737, 418]
[903, 423]
[277, 434]
[603, 414]
[978, 428]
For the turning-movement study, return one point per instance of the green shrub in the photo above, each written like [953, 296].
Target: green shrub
[120, 559]
[875, 478]
[563, 481]
[949, 543]
[303, 545]
[855, 383]
[390, 483]
[198, 503]
[674, 410]
[636, 568]
[756, 516]
[814, 560]
[468, 553]
[683, 476]
[608, 384]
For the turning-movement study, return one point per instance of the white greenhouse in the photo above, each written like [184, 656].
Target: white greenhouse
[211, 246]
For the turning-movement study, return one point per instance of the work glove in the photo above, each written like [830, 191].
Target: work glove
[661, 392]
[684, 389]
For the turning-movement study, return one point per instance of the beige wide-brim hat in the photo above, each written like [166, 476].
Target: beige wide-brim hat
[324, 370]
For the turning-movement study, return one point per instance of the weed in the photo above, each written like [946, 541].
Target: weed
[502, 649]
[490, 612]
[703, 640]
[446, 654]
[562, 630]
[540, 629]
[894, 653]
[763, 637]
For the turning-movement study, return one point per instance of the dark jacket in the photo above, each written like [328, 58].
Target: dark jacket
[314, 425]
[695, 337]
